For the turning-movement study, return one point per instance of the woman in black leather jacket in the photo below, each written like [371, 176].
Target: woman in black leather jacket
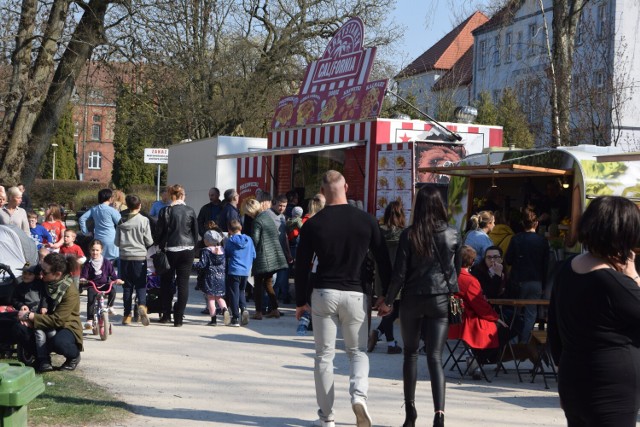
[177, 233]
[425, 270]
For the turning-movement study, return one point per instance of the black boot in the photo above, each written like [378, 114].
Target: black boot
[166, 318]
[410, 410]
[438, 419]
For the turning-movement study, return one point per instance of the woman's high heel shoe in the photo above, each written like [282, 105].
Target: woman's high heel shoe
[410, 410]
[438, 419]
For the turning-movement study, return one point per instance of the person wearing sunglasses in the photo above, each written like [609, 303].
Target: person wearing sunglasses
[62, 319]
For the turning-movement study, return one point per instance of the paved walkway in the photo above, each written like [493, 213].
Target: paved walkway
[262, 375]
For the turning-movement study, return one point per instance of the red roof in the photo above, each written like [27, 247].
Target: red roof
[460, 74]
[448, 50]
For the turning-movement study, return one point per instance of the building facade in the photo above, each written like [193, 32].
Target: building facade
[512, 51]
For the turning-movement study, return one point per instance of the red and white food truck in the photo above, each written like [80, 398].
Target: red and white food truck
[333, 123]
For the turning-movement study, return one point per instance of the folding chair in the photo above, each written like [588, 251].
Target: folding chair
[543, 357]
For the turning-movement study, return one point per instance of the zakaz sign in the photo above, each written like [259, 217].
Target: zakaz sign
[336, 86]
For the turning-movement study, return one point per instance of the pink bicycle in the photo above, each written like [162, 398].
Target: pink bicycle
[101, 323]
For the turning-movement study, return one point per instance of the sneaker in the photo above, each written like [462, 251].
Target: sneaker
[213, 322]
[373, 340]
[88, 324]
[235, 322]
[112, 311]
[226, 317]
[142, 313]
[363, 419]
[394, 349]
[321, 423]
[126, 320]
[244, 320]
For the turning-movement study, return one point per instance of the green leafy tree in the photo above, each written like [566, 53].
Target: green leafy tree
[487, 110]
[513, 121]
[134, 117]
[64, 148]
[446, 109]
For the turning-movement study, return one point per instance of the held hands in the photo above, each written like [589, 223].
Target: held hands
[383, 309]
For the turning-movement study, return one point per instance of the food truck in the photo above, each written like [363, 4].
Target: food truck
[333, 123]
[515, 178]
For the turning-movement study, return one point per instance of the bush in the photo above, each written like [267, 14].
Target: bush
[77, 194]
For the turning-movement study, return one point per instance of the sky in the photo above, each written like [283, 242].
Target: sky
[426, 22]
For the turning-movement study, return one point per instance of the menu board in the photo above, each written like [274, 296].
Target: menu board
[394, 181]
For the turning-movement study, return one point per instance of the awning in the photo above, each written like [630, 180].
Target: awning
[281, 151]
[499, 171]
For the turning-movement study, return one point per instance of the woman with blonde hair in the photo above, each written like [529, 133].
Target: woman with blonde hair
[478, 238]
[118, 200]
[177, 234]
[315, 205]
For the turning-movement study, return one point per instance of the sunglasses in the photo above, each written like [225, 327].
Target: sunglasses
[494, 257]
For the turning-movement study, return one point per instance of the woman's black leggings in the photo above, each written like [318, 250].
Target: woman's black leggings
[431, 313]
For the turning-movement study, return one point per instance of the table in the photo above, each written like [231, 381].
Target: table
[517, 305]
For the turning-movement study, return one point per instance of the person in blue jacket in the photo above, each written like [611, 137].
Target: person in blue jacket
[240, 254]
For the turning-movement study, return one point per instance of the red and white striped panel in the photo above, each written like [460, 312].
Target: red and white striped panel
[319, 135]
[395, 147]
[250, 167]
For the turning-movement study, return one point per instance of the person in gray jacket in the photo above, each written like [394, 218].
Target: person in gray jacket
[133, 237]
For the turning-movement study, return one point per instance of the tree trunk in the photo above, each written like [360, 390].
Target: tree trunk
[36, 122]
[565, 20]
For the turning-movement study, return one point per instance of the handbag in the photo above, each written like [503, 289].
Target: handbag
[456, 309]
[160, 262]
[160, 259]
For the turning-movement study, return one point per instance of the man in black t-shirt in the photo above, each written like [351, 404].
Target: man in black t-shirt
[340, 236]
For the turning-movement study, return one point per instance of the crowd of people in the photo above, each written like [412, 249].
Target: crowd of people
[339, 257]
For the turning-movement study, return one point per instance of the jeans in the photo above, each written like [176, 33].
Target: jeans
[529, 290]
[235, 288]
[281, 286]
[264, 281]
[41, 337]
[181, 263]
[429, 314]
[134, 274]
[91, 299]
[332, 308]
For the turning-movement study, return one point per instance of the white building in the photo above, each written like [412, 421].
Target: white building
[420, 76]
[511, 52]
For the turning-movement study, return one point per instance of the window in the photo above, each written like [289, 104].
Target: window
[76, 129]
[97, 118]
[531, 48]
[598, 79]
[96, 131]
[508, 56]
[519, 46]
[496, 52]
[495, 95]
[482, 54]
[602, 21]
[95, 160]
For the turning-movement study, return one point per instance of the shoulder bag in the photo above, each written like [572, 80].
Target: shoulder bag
[160, 259]
[456, 309]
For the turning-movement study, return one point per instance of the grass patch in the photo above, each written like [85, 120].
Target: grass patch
[71, 400]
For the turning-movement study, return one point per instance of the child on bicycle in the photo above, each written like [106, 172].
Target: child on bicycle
[212, 262]
[100, 271]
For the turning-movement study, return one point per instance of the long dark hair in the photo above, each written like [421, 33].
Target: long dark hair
[428, 213]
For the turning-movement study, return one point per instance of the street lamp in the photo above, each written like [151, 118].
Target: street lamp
[53, 171]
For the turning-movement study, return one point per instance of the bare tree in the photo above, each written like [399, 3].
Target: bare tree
[48, 53]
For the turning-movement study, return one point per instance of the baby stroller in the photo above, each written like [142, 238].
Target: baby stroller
[154, 304]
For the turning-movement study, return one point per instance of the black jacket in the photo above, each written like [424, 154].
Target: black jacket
[416, 275]
[177, 226]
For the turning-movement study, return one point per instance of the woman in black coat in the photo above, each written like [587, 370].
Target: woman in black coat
[177, 234]
[425, 270]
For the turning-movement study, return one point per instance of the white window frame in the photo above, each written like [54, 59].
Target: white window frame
[519, 39]
[532, 32]
[482, 55]
[96, 132]
[496, 50]
[508, 47]
[601, 24]
[95, 160]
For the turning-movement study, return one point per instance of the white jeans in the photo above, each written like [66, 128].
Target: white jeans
[329, 309]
